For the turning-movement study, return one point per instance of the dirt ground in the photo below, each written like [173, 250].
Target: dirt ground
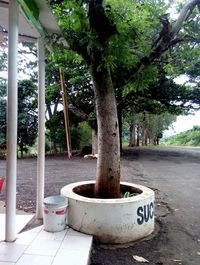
[157, 249]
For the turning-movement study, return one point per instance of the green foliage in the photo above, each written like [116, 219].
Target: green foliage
[143, 81]
[80, 133]
[129, 194]
[3, 54]
[2, 88]
[2, 121]
[154, 124]
[2, 111]
[138, 26]
[55, 131]
[126, 51]
[79, 94]
[27, 115]
[187, 138]
[134, 21]
[85, 134]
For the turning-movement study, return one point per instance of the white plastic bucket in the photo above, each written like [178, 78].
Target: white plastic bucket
[55, 213]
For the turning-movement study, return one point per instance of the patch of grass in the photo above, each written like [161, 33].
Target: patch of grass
[128, 194]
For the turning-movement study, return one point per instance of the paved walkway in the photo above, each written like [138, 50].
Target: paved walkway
[38, 247]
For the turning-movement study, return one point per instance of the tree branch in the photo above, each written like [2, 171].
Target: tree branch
[184, 14]
[100, 22]
[167, 38]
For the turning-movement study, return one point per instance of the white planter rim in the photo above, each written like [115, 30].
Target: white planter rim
[68, 192]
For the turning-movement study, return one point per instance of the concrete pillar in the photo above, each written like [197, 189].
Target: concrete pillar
[12, 96]
[41, 128]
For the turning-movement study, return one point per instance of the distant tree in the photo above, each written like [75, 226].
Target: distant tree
[2, 111]
[27, 115]
[3, 66]
[146, 128]
[79, 93]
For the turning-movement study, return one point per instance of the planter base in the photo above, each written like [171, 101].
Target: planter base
[112, 221]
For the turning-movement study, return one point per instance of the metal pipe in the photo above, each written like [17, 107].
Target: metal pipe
[12, 98]
[41, 129]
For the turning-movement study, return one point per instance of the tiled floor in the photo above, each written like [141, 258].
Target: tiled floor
[38, 247]
[21, 221]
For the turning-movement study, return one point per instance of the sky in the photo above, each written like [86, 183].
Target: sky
[183, 123]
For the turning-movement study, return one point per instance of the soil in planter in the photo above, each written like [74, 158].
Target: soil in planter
[87, 190]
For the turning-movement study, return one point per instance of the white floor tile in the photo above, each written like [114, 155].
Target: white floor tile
[21, 221]
[71, 257]
[58, 236]
[6, 263]
[25, 238]
[11, 252]
[43, 247]
[76, 243]
[34, 260]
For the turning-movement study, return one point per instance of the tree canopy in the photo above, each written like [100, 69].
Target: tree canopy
[125, 44]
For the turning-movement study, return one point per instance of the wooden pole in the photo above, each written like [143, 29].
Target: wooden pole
[66, 114]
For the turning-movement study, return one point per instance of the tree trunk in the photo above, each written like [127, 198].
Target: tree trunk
[53, 145]
[138, 136]
[134, 136]
[94, 141]
[144, 136]
[151, 139]
[131, 135]
[119, 113]
[22, 151]
[108, 163]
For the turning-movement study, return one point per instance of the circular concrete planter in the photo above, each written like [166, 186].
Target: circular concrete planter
[111, 220]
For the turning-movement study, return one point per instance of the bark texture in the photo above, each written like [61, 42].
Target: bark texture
[138, 136]
[108, 163]
[94, 141]
[132, 135]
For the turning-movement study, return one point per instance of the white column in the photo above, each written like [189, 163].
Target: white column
[12, 97]
[41, 128]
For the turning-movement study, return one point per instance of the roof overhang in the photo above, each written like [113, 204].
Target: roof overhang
[35, 20]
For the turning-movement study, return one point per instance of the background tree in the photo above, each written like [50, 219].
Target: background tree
[79, 93]
[2, 113]
[27, 115]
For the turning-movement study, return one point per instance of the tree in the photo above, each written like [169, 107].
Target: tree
[79, 93]
[27, 94]
[27, 115]
[99, 31]
[154, 125]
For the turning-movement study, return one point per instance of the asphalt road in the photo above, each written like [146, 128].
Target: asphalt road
[174, 174]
